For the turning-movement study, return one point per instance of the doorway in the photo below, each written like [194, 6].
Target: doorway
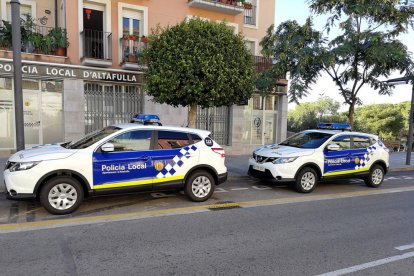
[95, 39]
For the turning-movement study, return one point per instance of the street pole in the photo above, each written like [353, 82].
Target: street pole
[410, 128]
[17, 73]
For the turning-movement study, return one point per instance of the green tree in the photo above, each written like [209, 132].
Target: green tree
[198, 63]
[385, 120]
[307, 115]
[366, 49]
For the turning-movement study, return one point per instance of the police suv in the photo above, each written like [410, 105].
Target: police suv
[332, 150]
[119, 158]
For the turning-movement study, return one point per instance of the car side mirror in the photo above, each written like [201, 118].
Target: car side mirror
[333, 147]
[107, 147]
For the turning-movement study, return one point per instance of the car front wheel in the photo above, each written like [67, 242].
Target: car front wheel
[199, 186]
[306, 180]
[375, 177]
[61, 195]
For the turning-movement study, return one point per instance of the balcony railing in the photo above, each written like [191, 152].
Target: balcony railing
[261, 63]
[250, 15]
[223, 6]
[132, 49]
[97, 45]
[35, 39]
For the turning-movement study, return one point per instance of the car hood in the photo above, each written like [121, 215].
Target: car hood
[42, 153]
[282, 151]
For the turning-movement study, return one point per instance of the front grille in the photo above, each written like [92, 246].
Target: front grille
[266, 175]
[263, 159]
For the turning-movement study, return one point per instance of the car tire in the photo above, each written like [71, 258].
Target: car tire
[199, 186]
[375, 177]
[306, 180]
[61, 195]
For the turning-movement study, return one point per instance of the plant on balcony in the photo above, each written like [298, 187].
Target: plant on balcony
[48, 45]
[144, 39]
[60, 40]
[37, 41]
[5, 36]
[248, 6]
[240, 3]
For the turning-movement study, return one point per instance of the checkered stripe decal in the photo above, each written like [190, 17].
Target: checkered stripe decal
[177, 162]
[367, 157]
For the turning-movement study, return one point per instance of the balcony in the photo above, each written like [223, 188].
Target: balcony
[250, 14]
[132, 49]
[96, 48]
[262, 64]
[223, 6]
[36, 41]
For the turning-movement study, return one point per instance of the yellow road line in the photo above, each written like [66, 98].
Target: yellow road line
[14, 227]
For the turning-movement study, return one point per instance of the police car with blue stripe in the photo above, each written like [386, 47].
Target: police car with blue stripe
[332, 150]
[119, 158]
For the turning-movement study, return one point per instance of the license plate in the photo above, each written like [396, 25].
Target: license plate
[258, 168]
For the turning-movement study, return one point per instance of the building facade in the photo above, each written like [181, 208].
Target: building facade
[83, 70]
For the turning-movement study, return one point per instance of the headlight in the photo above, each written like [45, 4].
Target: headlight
[284, 160]
[23, 166]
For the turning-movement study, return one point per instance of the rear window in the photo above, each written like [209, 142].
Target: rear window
[172, 139]
[195, 138]
[362, 142]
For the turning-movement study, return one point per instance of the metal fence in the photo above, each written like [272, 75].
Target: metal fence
[97, 44]
[110, 104]
[216, 120]
[262, 64]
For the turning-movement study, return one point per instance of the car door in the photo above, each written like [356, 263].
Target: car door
[129, 165]
[337, 156]
[174, 155]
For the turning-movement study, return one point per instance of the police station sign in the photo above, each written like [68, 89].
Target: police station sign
[40, 70]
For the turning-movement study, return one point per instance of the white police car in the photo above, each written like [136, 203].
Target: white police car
[330, 151]
[119, 158]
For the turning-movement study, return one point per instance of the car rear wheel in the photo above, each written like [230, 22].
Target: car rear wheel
[61, 195]
[199, 186]
[375, 177]
[306, 180]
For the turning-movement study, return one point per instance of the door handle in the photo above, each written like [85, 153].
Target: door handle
[144, 158]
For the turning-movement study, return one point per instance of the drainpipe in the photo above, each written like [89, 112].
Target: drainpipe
[56, 14]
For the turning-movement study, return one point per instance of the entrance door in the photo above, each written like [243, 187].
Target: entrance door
[94, 44]
[216, 120]
[32, 117]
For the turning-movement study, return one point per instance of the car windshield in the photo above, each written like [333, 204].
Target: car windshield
[307, 140]
[91, 138]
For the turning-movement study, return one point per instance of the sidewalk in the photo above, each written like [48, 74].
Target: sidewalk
[237, 165]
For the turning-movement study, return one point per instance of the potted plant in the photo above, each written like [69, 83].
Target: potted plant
[48, 44]
[36, 40]
[240, 3]
[5, 36]
[60, 40]
[248, 6]
[144, 39]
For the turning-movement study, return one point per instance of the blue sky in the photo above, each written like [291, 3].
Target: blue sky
[298, 10]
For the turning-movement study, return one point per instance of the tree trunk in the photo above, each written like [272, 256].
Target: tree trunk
[192, 115]
[351, 114]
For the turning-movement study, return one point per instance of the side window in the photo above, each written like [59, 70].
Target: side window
[132, 141]
[172, 140]
[362, 142]
[343, 141]
[195, 138]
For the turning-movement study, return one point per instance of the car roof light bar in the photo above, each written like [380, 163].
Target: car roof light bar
[334, 126]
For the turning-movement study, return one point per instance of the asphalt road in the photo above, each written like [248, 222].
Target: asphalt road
[248, 227]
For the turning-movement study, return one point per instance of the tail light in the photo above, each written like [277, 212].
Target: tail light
[219, 151]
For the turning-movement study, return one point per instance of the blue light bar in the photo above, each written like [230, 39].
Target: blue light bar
[146, 119]
[334, 126]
